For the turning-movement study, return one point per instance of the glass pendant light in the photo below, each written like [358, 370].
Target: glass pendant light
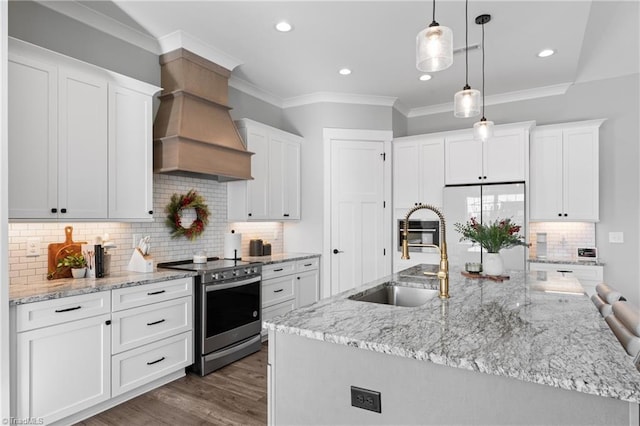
[483, 129]
[434, 46]
[466, 102]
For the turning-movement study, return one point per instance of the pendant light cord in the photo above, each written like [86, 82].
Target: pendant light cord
[483, 71]
[466, 50]
[434, 11]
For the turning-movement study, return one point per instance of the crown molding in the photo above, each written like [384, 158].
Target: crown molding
[181, 39]
[101, 22]
[502, 98]
[339, 98]
[253, 90]
[402, 108]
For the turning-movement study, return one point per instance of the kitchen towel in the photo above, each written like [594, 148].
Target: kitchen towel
[603, 307]
[628, 315]
[608, 293]
[232, 245]
[629, 341]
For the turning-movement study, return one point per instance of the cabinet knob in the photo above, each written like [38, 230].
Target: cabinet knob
[559, 214]
[150, 211]
[286, 215]
[249, 214]
[484, 177]
[298, 277]
[107, 322]
[480, 177]
[565, 215]
[336, 251]
[63, 210]
[54, 210]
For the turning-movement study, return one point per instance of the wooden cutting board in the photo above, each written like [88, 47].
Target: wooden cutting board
[58, 251]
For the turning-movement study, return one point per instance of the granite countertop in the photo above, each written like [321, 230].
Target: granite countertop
[54, 289]
[279, 258]
[567, 261]
[513, 328]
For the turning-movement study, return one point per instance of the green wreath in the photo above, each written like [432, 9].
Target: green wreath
[174, 217]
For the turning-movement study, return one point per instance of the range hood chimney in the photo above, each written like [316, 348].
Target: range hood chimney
[193, 133]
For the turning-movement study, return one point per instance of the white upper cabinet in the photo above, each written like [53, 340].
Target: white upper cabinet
[418, 171]
[80, 142]
[502, 158]
[274, 192]
[130, 154]
[565, 172]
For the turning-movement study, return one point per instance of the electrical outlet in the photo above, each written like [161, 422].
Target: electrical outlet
[366, 399]
[33, 247]
[616, 237]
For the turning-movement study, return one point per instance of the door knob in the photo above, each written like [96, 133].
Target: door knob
[336, 251]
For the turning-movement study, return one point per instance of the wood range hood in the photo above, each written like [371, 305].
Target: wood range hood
[193, 133]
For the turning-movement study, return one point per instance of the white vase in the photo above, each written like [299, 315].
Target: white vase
[78, 272]
[492, 264]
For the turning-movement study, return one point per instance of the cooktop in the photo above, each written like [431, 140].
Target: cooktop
[212, 264]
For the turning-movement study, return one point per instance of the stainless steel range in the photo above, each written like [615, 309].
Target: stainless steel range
[226, 309]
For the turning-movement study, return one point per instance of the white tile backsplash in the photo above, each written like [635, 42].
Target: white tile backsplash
[563, 238]
[23, 269]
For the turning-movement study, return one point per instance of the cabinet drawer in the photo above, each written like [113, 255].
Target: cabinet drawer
[586, 272]
[278, 270]
[307, 264]
[146, 324]
[142, 365]
[64, 309]
[277, 290]
[276, 310]
[132, 297]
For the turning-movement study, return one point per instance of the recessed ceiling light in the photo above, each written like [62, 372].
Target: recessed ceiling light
[425, 77]
[545, 53]
[283, 26]
[345, 71]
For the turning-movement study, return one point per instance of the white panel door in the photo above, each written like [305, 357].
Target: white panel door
[463, 160]
[63, 369]
[130, 154]
[357, 228]
[291, 181]
[546, 175]
[406, 168]
[82, 146]
[504, 156]
[33, 139]
[431, 155]
[580, 174]
[258, 188]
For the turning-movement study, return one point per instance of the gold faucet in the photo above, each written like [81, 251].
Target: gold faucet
[443, 272]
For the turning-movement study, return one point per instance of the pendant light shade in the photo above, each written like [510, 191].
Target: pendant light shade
[483, 129]
[466, 103]
[434, 46]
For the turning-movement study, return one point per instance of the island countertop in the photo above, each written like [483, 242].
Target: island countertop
[512, 328]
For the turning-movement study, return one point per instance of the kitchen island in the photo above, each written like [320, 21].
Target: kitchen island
[528, 350]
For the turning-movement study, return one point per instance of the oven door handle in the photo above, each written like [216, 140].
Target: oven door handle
[422, 230]
[216, 287]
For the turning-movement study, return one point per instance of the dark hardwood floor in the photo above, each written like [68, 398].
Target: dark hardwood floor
[233, 395]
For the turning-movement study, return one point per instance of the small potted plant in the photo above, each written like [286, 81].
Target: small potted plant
[76, 262]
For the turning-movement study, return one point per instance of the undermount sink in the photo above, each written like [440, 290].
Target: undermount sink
[397, 295]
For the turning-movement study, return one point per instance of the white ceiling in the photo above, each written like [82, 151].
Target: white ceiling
[376, 39]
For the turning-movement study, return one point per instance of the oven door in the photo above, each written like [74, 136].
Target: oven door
[230, 312]
[420, 232]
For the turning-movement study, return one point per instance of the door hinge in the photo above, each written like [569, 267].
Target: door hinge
[384, 252]
[384, 204]
[384, 156]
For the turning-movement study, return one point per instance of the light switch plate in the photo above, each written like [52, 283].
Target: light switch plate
[33, 247]
[616, 237]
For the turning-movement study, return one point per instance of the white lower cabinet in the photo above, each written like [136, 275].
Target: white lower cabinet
[64, 368]
[73, 357]
[289, 285]
[588, 275]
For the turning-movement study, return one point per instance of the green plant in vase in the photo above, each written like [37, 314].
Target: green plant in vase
[76, 262]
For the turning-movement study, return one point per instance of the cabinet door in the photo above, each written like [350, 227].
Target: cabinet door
[33, 139]
[291, 181]
[546, 175]
[63, 369]
[307, 288]
[580, 176]
[130, 154]
[504, 156]
[406, 174]
[82, 146]
[463, 160]
[431, 177]
[258, 188]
